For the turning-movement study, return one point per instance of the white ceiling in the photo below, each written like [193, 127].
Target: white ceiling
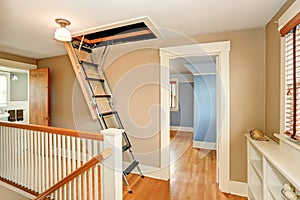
[27, 27]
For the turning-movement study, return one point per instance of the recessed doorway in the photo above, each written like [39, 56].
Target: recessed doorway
[220, 50]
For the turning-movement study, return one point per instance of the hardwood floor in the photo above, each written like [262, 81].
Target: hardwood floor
[193, 176]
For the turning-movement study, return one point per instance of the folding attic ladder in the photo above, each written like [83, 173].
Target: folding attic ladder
[101, 98]
[92, 80]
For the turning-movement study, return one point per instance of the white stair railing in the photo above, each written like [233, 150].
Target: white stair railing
[34, 158]
[70, 180]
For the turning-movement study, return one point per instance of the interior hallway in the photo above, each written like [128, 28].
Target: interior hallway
[192, 177]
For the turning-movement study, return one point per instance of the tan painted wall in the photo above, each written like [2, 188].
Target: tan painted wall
[17, 58]
[134, 78]
[68, 107]
[247, 87]
[273, 73]
[247, 77]
[61, 84]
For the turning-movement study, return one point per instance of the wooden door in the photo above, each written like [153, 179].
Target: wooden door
[39, 96]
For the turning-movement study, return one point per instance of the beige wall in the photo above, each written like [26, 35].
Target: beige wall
[136, 90]
[247, 84]
[273, 73]
[67, 105]
[61, 85]
[247, 78]
[134, 78]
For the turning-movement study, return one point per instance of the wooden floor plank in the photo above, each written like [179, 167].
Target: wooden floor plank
[193, 176]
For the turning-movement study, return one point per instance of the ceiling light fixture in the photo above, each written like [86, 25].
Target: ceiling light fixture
[14, 77]
[61, 33]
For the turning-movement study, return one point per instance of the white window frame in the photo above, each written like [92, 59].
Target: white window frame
[176, 97]
[7, 75]
[283, 20]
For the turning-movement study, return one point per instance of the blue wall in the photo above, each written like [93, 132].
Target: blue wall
[184, 116]
[205, 108]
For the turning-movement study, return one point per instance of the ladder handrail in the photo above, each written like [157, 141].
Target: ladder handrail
[56, 130]
[88, 165]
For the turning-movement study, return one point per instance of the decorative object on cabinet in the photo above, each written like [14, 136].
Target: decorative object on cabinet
[258, 135]
[289, 193]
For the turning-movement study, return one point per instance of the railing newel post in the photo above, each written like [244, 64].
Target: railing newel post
[112, 166]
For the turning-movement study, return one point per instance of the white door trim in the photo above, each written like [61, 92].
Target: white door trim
[221, 49]
[16, 64]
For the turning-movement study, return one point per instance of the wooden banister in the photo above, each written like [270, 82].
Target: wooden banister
[55, 130]
[91, 163]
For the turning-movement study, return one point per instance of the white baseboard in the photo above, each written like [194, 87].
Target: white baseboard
[239, 188]
[17, 190]
[204, 145]
[182, 128]
[149, 171]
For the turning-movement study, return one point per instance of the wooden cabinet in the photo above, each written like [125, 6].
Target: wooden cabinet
[269, 167]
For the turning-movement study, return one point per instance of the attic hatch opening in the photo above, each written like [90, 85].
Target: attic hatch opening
[118, 35]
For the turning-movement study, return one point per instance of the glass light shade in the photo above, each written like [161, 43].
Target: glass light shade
[14, 77]
[62, 34]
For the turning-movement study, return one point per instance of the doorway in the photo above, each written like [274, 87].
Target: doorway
[181, 96]
[221, 50]
[193, 98]
[18, 90]
[16, 95]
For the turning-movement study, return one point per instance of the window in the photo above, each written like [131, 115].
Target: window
[291, 32]
[3, 89]
[174, 94]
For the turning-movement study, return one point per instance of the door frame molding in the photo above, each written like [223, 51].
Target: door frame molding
[220, 49]
[16, 64]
